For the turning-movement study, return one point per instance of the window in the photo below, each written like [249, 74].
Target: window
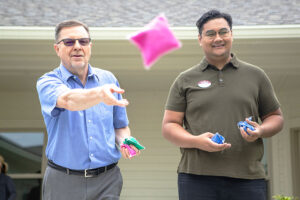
[24, 153]
[295, 155]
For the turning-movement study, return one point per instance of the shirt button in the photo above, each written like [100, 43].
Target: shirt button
[89, 121]
[221, 80]
[91, 137]
[92, 155]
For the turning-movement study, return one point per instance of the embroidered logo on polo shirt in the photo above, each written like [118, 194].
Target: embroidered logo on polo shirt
[204, 84]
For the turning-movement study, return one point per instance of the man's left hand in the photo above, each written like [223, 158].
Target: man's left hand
[253, 135]
[125, 152]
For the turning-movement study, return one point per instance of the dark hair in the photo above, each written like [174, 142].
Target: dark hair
[212, 14]
[3, 165]
[69, 23]
[3, 169]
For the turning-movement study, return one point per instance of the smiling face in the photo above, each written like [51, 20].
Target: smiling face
[218, 47]
[75, 58]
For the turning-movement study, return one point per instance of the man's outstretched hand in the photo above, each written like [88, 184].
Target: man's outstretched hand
[107, 97]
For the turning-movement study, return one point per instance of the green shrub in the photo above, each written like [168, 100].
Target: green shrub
[281, 197]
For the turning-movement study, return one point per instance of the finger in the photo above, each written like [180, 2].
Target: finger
[243, 133]
[249, 138]
[225, 146]
[116, 89]
[122, 103]
[138, 152]
[125, 153]
[114, 101]
[135, 149]
[208, 134]
[214, 147]
[253, 123]
[251, 133]
[110, 99]
[128, 153]
[109, 92]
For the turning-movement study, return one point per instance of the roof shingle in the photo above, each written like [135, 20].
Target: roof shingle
[136, 13]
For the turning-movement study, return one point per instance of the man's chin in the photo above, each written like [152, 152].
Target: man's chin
[78, 65]
[221, 54]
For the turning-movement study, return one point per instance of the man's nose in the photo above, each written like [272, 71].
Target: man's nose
[218, 36]
[77, 45]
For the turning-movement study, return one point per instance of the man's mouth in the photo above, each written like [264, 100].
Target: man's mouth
[77, 56]
[218, 45]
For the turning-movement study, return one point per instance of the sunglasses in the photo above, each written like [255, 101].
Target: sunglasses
[70, 42]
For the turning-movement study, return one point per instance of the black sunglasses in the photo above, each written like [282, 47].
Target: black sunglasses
[70, 42]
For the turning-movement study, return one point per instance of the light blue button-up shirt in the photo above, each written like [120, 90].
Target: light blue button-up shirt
[80, 139]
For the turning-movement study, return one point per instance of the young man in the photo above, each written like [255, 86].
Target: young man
[85, 117]
[214, 96]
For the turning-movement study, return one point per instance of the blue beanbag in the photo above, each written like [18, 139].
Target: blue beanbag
[217, 138]
[245, 125]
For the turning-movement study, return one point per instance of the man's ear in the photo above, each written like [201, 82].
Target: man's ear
[200, 39]
[56, 48]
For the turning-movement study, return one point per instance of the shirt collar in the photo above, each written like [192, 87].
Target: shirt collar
[233, 62]
[66, 74]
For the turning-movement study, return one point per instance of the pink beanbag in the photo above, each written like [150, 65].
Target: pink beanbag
[155, 40]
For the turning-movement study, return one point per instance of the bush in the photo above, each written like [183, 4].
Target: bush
[281, 197]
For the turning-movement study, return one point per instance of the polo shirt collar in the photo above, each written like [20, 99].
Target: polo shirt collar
[66, 74]
[233, 62]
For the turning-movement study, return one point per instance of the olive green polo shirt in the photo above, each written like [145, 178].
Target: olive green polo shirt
[216, 100]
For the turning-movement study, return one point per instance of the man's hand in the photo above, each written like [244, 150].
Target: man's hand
[253, 135]
[206, 144]
[121, 134]
[125, 152]
[172, 129]
[107, 97]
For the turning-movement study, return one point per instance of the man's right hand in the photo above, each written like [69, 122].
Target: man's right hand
[205, 143]
[172, 129]
[107, 97]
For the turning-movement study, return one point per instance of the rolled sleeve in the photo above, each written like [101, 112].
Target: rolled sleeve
[268, 101]
[49, 89]
[120, 117]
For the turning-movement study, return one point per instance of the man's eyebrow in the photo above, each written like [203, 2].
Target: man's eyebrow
[218, 29]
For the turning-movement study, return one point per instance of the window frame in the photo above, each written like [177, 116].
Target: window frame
[44, 160]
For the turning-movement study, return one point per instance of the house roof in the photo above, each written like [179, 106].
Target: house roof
[136, 13]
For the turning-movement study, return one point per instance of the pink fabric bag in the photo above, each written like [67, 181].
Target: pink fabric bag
[155, 40]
